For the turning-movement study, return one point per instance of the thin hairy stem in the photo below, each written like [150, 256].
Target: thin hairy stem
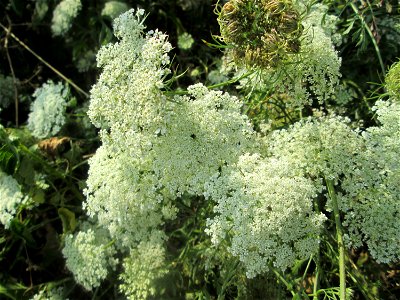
[69, 81]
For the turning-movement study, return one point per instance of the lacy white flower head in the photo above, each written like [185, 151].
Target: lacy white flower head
[63, 16]
[129, 86]
[365, 170]
[125, 197]
[265, 210]
[89, 255]
[113, 9]
[324, 148]
[47, 114]
[202, 134]
[373, 193]
[319, 63]
[134, 176]
[11, 197]
[318, 17]
[319, 148]
[133, 72]
[142, 269]
[123, 191]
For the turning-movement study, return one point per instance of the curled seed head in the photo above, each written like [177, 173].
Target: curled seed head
[261, 32]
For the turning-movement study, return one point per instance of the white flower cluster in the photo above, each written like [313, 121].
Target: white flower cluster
[266, 212]
[89, 255]
[113, 9]
[364, 168]
[133, 72]
[373, 194]
[323, 148]
[63, 15]
[204, 132]
[47, 114]
[11, 197]
[317, 65]
[318, 17]
[50, 294]
[154, 147]
[124, 196]
[144, 266]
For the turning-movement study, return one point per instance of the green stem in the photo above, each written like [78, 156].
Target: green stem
[287, 284]
[37, 226]
[316, 285]
[339, 234]
[317, 259]
[360, 280]
[214, 86]
[371, 35]
[231, 81]
[317, 276]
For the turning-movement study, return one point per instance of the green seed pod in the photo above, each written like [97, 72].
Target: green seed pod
[261, 32]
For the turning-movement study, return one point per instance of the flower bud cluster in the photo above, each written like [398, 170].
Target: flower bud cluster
[89, 255]
[63, 16]
[47, 114]
[113, 9]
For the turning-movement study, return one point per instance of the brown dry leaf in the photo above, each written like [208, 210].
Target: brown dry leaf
[51, 145]
[308, 283]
